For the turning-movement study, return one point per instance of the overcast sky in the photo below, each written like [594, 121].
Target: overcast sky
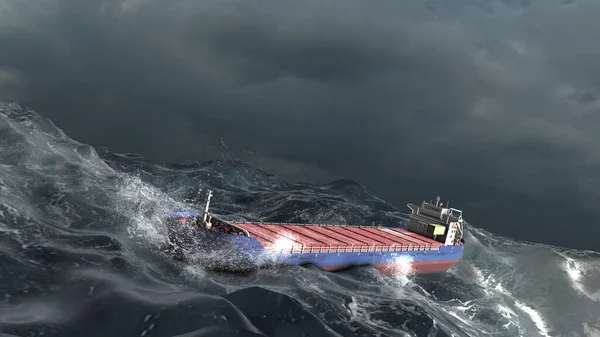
[492, 103]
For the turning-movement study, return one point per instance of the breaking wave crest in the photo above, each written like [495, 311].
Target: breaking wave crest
[81, 231]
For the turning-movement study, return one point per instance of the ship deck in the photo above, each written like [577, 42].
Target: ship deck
[301, 238]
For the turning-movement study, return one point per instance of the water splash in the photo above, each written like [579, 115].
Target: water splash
[283, 244]
[402, 265]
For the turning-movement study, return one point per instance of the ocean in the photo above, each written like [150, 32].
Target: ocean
[80, 255]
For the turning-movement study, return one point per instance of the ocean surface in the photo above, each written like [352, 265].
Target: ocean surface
[81, 231]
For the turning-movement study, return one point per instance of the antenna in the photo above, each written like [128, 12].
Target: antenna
[207, 205]
[437, 201]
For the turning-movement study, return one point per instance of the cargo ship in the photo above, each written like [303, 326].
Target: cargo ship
[432, 242]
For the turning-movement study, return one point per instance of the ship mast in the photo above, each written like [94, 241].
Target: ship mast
[206, 207]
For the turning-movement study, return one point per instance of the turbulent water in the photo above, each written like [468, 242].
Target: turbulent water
[80, 232]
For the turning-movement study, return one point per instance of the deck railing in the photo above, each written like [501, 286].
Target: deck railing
[350, 249]
[313, 224]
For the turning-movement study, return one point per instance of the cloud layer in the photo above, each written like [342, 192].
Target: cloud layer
[492, 103]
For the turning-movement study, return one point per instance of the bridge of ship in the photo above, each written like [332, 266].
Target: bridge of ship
[312, 238]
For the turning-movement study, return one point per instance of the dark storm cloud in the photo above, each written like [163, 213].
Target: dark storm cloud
[488, 102]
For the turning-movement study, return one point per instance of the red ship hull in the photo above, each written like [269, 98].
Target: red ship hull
[333, 248]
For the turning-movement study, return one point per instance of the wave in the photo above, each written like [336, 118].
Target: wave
[80, 234]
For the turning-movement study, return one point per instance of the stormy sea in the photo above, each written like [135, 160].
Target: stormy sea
[80, 255]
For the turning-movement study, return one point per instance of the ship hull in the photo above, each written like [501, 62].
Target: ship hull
[229, 252]
[432, 243]
[390, 262]
[414, 262]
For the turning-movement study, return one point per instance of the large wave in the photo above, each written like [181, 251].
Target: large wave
[80, 236]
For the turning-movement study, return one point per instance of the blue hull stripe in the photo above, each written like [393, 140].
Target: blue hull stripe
[253, 248]
[370, 258]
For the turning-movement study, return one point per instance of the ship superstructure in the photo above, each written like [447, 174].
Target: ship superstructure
[442, 224]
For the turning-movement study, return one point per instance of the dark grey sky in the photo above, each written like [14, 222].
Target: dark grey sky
[492, 104]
